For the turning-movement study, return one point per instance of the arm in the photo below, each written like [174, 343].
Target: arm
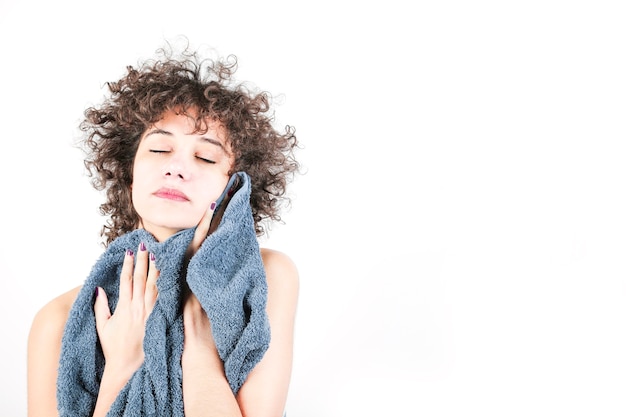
[206, 392]
[205, 389]
[120, 334]
[264, 393]
[44, 350]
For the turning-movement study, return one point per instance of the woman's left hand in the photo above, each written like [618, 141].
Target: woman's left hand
[205, 387]
[202, 231]
[210, 221]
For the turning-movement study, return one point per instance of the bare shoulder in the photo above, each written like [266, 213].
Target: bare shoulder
[50, 319]
[44, 350]
[280, 270]
[283, 281]
[283, 287]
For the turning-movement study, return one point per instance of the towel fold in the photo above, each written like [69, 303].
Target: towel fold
[227, 276]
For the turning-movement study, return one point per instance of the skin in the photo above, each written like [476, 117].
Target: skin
[195, 171]
[177, 175]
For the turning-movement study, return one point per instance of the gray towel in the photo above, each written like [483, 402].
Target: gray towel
[227, 276]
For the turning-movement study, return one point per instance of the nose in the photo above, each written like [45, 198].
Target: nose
[176, 167]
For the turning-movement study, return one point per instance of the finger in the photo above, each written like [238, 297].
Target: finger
[139, 276]
[151, 288]
[202, 229]
[126, 278]
[101, 309]
[217, 216]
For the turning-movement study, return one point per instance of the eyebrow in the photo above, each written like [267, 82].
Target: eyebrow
[202, 138]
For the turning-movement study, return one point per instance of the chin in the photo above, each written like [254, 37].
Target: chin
[175, 228]
[163, 230]
[173, 222]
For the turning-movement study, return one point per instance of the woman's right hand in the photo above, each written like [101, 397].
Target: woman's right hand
[121, 334]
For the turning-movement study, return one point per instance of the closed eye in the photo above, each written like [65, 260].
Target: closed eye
[208, 161]
[205, 160]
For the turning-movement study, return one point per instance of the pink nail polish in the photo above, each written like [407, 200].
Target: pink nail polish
[129, 252]
[213, 206]
[152, 257]
[142, 246]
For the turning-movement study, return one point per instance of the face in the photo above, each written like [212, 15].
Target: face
[177, 174]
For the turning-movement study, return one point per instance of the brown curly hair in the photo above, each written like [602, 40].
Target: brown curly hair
[201, 88]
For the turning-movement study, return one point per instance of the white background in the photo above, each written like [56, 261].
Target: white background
[460, 229]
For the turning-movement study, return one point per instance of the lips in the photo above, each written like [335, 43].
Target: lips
[171, 194]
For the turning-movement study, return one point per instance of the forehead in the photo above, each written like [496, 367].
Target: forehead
[179, 126]
[191, 123]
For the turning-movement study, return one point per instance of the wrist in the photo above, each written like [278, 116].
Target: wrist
[198, 355]
[112, 382]
[115, 377]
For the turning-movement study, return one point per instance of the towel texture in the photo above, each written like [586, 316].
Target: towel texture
[227, 276]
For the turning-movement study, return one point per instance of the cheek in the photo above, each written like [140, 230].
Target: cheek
[215, 188]
[139, 185]
[139, 174]
[135, 197]
[219, 187]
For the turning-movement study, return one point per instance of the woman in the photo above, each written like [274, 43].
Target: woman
[164, 146]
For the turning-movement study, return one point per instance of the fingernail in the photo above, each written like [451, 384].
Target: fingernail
[213, 206]
[96, 291]
[142, 246]
[152, 257]
[129, 252]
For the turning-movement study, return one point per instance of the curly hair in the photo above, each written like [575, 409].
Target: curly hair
[199, 88]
